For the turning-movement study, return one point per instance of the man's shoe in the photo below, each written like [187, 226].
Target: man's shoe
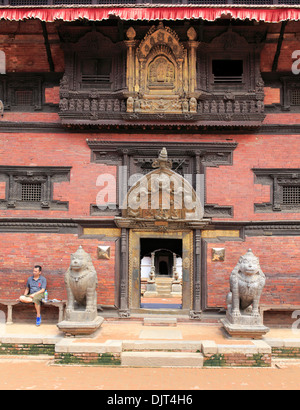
[38, 321]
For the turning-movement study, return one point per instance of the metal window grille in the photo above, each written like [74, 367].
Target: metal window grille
[58, 2]
[252, 2]
[31, 192]
[295, 97]
[28, 2]
[24, 97]
[291, 195]
[289, 2]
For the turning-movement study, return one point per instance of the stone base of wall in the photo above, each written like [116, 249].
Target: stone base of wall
[97, 359]
[286, 352]
[23, 349]
[238, 360]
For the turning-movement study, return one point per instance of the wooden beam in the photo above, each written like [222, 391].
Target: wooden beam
[279, 45]
[47, 46]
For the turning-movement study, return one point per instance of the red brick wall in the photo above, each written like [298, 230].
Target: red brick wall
[279, 259]
[272, 96]
[289, 45]
[24, 46]
[234, 185]
[226, 185]
[56, 150]
[21, 251]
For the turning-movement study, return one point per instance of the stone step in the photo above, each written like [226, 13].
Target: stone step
[162, 346]
[162, 359]
[160, 321]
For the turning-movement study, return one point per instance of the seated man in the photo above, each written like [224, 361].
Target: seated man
[34, 292]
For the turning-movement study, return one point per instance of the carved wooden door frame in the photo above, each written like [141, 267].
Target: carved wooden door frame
[134, 277]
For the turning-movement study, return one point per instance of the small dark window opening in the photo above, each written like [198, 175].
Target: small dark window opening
[291, 195]
[227, 71]
[31, 192]
[24, 97]
[295, 97]
[96, 72]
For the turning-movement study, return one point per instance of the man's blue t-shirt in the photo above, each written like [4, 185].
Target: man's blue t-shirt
[36, 285]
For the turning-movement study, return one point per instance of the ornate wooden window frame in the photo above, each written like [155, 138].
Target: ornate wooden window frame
[87, 105]
[277, 179]
[290, 84]
[15, 176]
[11, 83]
[237, 103]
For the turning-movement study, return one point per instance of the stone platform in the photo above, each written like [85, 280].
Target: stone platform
[153, 343]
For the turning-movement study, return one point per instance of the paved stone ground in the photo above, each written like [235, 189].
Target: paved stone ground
[32, 373]
[29, 374]
[134, 330]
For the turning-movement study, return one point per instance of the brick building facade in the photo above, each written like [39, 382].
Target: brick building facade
[86, 95]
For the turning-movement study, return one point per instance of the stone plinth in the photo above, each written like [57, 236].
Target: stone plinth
[151, 290]
[80, 328]
[243, 328]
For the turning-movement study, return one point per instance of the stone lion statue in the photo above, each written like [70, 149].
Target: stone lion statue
[246, 285]
[81, 284]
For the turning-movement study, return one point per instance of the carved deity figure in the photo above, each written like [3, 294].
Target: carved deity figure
[246, 285]
[81, 284]
[161, 70]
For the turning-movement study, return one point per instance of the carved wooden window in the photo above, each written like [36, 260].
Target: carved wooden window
[96, 73]
[32, 187]
[227, 71]
[31, 192]
[284, 192]
[291, 195]
[291, 93]
[21, 92]
[23, 97]
[295, 96]
[229, 78]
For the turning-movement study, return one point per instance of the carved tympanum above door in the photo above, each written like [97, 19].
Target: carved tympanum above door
[162, 200]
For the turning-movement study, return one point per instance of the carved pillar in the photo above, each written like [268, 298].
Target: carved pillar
[130, 74]
[151, 290]
[176, 284]
[124, 308]
[196, 313]
[186, 73]
[152, 272]
[175, 273]
[193, 45]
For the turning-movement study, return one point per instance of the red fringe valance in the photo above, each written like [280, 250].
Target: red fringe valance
[98, 13]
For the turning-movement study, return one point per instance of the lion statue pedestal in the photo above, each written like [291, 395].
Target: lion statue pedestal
[81, 284]
[246, 285]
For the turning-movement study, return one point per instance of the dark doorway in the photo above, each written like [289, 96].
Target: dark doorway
[163, 268]
[161, 273]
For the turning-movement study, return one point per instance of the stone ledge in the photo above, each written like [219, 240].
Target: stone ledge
[283, 342]
[209, 347]
[160, 321]
[68, 346]
[148, 345]
[161, 359]
[28, 339]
